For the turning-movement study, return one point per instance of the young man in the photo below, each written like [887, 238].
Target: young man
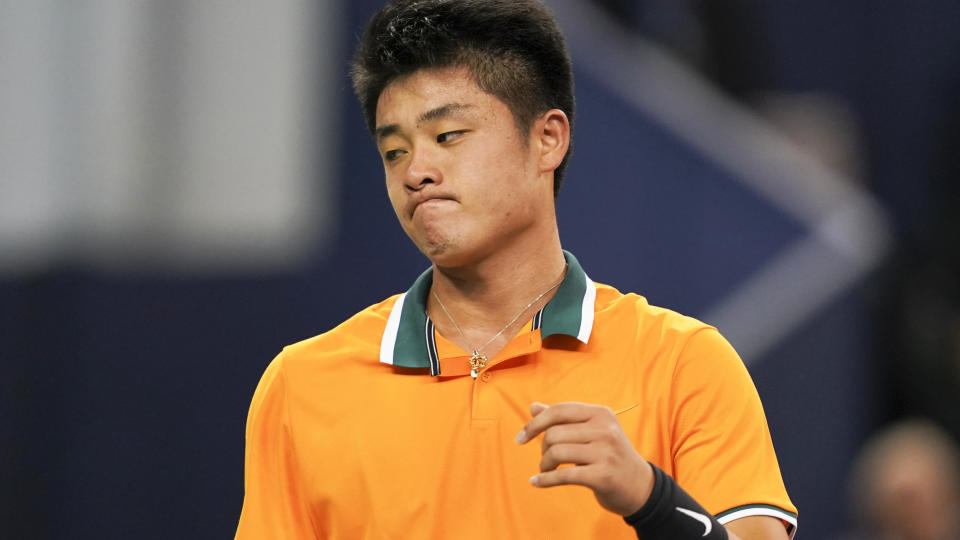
[505, 395]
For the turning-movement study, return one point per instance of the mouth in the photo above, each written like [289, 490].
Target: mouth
[432, 202]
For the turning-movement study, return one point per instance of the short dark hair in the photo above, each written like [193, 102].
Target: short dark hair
[513, 49]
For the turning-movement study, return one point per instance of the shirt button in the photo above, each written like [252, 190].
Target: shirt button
[486, 376]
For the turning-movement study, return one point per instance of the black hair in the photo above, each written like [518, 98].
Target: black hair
[513, 49]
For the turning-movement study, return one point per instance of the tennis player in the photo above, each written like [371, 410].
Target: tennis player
[505, 394]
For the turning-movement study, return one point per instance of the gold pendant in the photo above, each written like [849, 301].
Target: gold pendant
[477, 362]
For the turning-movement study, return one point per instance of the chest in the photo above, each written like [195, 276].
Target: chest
[434, 454]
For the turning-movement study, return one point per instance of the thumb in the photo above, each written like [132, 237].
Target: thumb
[537, 408]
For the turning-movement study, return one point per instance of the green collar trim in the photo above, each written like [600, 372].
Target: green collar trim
[408, 340]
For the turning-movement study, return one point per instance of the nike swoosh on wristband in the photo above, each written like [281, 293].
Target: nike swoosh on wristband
[707, 523]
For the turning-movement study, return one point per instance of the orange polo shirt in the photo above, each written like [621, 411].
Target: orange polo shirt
[376, 429]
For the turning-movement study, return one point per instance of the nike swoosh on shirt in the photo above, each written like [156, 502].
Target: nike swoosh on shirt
[707, 524]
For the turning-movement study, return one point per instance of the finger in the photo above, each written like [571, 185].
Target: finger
[574, 454]
[561, 413]
[570, 434]
[580, 476]
[537, 408]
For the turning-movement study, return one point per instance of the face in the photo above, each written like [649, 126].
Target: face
[915, 497]
[461, 178]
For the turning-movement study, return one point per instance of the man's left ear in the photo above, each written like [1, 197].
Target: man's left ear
[552, 133]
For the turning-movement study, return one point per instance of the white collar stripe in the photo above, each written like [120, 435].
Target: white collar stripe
[389, 339]
[586, 313]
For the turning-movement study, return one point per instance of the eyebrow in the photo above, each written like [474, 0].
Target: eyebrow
[435, 113]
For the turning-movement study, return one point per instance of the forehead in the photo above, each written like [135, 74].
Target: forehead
[408, 96]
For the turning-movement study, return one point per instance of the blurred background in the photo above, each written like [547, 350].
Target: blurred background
[186, 187]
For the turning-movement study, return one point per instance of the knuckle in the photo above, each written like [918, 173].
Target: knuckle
[553, 453]
[550, 437]
[548, 461]
[578, 475]
[605, 434]
[564, 476]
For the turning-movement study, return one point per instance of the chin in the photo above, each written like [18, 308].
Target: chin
[437, 247]
[448, 250]
[442, 255]
[446, 255]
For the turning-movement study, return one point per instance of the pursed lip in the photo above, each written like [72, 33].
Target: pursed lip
[420, 198]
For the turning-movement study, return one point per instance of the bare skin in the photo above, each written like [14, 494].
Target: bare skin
[590, 438]
[476, 197]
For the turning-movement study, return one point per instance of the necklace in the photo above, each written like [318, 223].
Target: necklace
[478, 360]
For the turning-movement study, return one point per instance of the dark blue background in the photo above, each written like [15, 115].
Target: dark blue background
[123, 403]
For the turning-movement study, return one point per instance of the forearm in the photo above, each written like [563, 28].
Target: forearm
[670, 513]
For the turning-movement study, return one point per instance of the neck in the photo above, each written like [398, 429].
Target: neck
[486, 295]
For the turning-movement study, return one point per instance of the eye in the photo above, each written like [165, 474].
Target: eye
[449, 136]
[391, 155]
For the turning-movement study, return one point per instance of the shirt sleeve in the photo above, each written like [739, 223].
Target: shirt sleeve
[273, 505]
[722, 450]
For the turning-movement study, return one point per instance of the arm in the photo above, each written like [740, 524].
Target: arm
[590, 438]
[752, 527]
[273, 505]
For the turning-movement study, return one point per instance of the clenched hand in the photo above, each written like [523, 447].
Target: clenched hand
[589, 438]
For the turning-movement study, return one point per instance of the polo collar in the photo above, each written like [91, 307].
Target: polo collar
[409, 338]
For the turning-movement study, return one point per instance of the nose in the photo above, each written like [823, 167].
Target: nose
[422, 170]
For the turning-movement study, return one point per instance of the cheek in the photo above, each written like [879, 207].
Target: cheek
[511, 162]
[395, 194]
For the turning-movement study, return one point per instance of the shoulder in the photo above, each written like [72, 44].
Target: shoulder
[632, 312]
[335, 363]
[357, 337]
[679, 343]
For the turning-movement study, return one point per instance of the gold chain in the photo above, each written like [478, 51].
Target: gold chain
[478, 360]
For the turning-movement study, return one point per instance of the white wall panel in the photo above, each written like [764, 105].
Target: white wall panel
[166, 135]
